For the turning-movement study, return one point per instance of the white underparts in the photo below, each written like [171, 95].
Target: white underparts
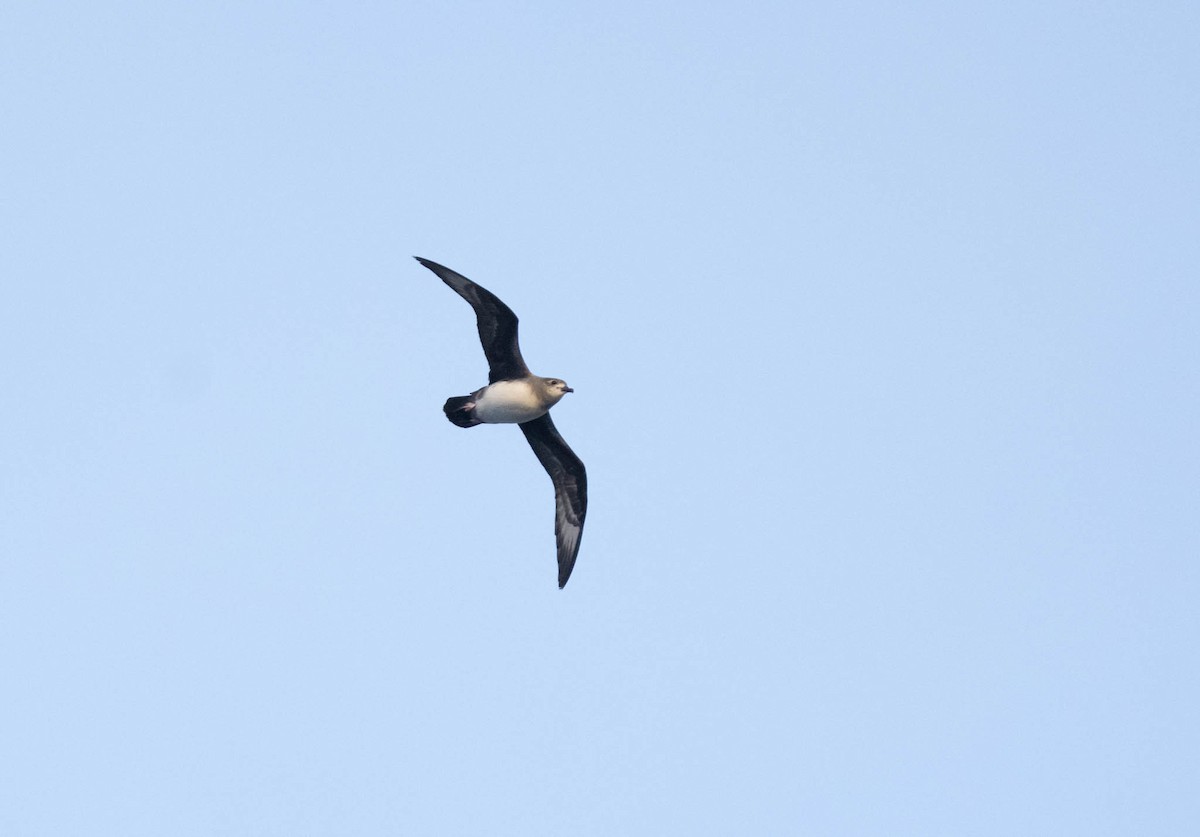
[509, 402]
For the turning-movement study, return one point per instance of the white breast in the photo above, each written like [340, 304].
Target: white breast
[508, 402]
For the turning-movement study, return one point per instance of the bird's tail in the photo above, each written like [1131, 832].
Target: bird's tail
[461, 410]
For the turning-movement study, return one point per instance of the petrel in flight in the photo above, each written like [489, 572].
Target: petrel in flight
[516, 396]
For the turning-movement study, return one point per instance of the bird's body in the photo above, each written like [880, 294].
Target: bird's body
[510, 402]
[516, 396]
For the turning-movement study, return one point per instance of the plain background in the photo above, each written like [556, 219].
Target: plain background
[883, 324]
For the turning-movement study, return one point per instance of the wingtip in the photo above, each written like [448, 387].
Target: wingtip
[430, 264]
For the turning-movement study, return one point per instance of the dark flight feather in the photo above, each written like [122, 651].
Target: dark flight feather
[496, 322]
[570, 489]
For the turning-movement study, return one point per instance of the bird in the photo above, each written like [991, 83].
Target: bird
[514, 395]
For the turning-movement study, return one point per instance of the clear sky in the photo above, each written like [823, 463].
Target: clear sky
[883, 323]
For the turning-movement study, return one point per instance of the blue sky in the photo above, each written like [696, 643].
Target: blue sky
[882, 320]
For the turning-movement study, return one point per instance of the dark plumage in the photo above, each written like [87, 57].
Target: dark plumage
[496, 322]
[570, 489]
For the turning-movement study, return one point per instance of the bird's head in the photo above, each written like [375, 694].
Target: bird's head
[556, 388]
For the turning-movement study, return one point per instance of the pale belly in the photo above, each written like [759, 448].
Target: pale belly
[508, 402]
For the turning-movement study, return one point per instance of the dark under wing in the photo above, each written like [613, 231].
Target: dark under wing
[496, 321]
[570, 489]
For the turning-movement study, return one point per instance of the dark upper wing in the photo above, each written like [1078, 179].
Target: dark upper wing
[570, 489]
[497, 324]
